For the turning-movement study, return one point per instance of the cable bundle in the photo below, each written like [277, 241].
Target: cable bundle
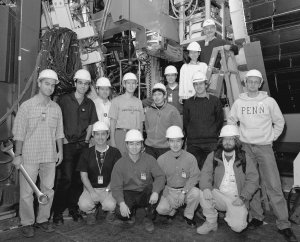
[60, 52]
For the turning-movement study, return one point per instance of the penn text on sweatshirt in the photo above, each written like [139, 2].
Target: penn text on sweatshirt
[261, 121]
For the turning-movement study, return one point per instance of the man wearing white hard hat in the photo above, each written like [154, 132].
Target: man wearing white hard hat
[182, 174]
[172, 89]
[136, 181]
[261, 123]
[95, 166]
[202, 120]
[186, 89]
[126, 112]
[79, 115]
[102, 102]
[158, 118]
[38, 130]
[211, 41]
[228, 181]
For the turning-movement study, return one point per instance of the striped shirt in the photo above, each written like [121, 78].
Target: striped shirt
[38, 127]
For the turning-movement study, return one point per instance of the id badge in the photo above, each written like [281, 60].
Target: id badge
[183, 174]
[143, 176]
[100, 179]
[170, 99]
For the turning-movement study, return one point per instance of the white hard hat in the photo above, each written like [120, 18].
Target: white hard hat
[255, 73]
[170, 70]
[194, 46]
[229, 130]
[208, 22]
[159, 86]
[83, 75]
[174, 132]
[47, 73]
[100, 126]
[134, 135]
[103, 82]
[199, 76]
[129, 76]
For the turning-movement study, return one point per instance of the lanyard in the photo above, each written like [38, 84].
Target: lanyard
[102, 158]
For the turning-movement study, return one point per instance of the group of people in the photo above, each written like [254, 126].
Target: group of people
[97, 153]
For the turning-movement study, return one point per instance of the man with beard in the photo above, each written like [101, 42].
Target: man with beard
[228, 181]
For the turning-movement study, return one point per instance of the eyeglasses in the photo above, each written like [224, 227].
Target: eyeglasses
[86, 84]
[253, 82]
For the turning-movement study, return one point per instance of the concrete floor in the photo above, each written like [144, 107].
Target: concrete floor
[177, 231]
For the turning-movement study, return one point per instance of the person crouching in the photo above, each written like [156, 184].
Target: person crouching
[136, 181]
[228, 181]
[95, 166]
[182, 175]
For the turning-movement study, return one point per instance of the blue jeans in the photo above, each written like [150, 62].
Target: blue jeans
[263, 157]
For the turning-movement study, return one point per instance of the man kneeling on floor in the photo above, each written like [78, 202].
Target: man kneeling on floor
[182, 173]
[132, 181]
[228, 181]
[95, 166]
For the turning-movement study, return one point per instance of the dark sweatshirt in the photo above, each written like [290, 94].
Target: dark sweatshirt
[135, 176]
[202, 119]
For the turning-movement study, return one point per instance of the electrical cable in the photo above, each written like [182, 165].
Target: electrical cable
[60, 52]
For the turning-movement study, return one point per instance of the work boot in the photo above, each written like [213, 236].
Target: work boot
[190, 222]
[148, 224]
[90, 219]
[58, 219]
[110, 217]
[206, 227]
[28, 231]
[75, 215]
[45, 226]
[288, 234]
[255, 223]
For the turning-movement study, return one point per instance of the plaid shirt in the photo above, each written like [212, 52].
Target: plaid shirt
[38, 127]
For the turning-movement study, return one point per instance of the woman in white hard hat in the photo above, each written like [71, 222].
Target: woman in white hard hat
[186, 89]
[136, 181]
[102, 103]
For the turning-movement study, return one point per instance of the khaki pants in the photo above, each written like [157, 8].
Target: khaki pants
[46, 171]
[236, 216]
[191, 199]
[87, 205]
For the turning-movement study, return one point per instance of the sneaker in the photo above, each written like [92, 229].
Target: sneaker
[110, 217]
[90, 219]
[190, 222]
[58, 219]
[45, 226]
[28, 231]
[148, 224]
[206, 227]
[288, 234]
[75, 215]
[255, 223]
